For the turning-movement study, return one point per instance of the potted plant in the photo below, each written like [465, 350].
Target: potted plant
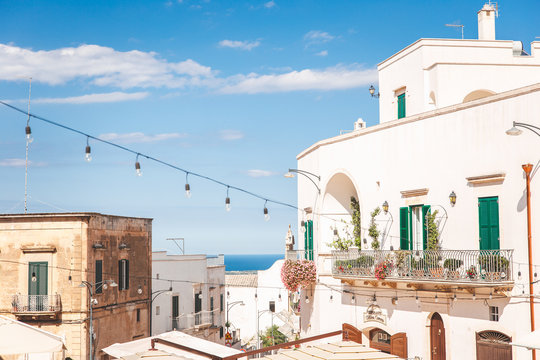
[451, 265]
[418, 267]
[364, 264]
[472, 272]
[383, 269]
[495, 265]
[401, 258]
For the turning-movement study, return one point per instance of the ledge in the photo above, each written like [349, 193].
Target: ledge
[413, 193]
[486, 179]
[38, 249]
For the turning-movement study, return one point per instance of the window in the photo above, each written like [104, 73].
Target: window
[212, 309]
[138, 315]
[494, 313]
[158, 309]
[221, 302]
[401, 106]
[308, 240]
[412, 227]
[380, 339]
[99, 276]
[123, 274]
[221, 332]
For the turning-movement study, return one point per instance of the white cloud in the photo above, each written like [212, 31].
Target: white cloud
[103, 66]
[139, 137]
[322, 53]
[94, 98]
[270, 4]
[19, 163]
[318, 37]
[242, 45]
[334, 78]
[231, 135]
[256, 173]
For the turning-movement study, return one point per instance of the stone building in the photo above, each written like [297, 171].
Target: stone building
[65, 272]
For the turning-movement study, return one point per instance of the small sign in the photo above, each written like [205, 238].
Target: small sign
[228, 336]
[374, 313]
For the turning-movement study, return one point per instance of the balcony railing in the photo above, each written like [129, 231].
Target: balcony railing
[32, 304]
[202, 318]
[464, 266]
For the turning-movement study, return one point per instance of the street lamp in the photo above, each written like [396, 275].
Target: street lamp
[372, 92]
[514, 131]
[89, 286]
[154, 295]
[259, 313]
[309, 175]
[230, 306]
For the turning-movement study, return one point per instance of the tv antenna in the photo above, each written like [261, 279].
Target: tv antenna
[456, 26]
[176, 240]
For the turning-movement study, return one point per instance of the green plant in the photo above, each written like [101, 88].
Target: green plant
[373, 230]
[432, 229]
[365, 261]
[272, 333]
[401, 256]
[418, 264]
[493, 262]
[341, 243]
[227, 324]
[452, 264]
[356, 222]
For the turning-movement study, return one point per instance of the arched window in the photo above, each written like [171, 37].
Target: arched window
[379, 339]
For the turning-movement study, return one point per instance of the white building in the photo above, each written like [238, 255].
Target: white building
[445, 106]
[188, 295]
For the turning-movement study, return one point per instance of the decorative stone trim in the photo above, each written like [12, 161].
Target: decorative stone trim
[38, 249]
[486, 179]
[413, 193]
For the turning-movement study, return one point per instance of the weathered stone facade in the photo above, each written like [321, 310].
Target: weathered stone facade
[65, 248]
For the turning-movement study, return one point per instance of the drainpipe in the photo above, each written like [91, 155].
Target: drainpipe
[528, 168]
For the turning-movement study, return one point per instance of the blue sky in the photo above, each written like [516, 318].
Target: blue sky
[231, 90]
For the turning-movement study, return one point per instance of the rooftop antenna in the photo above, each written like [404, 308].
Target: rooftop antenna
[457, 25]
[493, 3]
[28, 141]
[182, 248]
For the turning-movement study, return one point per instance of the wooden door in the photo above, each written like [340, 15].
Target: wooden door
[437, 338]
[492, 345]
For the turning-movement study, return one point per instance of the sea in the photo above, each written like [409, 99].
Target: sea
[250, 262]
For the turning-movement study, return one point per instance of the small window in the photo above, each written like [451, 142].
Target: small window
[157, 310]
[494, 313]
[123, 274]
[99, 276]
[221, 302]
[221, 332]
[138, 315]
[401, 106]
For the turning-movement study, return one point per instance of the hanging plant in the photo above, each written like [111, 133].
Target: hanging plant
[298, 274]
[356, 222]
[373, 230]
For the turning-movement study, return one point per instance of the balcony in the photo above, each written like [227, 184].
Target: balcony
[200, 320]
[36, 307]
[465, 268]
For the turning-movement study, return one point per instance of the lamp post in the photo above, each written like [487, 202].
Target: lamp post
[154, 295]
[309, 175]
[260, 312]
[230, 306]
[527, 168]
[89, 286]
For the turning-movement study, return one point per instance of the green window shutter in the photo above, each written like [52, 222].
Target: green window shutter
[488, 223]
[426, 209]
[401, 106]
[404, 228]
[39, 271]
[308, 240]
[99, 276]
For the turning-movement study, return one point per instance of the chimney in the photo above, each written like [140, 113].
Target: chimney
[486, 22]
[359, 124]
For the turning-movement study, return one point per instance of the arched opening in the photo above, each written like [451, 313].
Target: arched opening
[477, 94]
[493, 345]
[336, 209]
[437, 338]
[379, 339]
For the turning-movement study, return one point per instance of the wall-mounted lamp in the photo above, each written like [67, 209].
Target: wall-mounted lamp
[98, 246]
[34, 278]
[139, 290]
[372, 92]
[385, 207]
[123, 246]
[452, 198]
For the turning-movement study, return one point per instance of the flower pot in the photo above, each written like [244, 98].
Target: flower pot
[436, 272]
[453, 274]
[418, 273]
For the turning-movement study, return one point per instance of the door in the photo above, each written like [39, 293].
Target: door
[37, 286]
[493, 345]
[175, 312]
[308, 240]
[488, 218]
[198, 308]
[437, 338]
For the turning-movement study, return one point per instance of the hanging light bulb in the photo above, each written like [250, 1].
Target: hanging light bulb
[353, 300]
[28, 132]
[490, 296]
[265, 211]
[474, 296]
[417, 300]
[88, 151]
[395, 300]
[307, 299]
[436, 298]
[138, 166]
[455, 298]
[279, 296]
[34, 278]
[519, 274]
[331, 297]
[188, 189]
[228, 201]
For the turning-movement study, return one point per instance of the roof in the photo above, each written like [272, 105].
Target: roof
[66, 214]
[17, 337]
[141, 345]
[341, 350]
[241, 280]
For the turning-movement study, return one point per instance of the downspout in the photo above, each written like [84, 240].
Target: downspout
[528, 168]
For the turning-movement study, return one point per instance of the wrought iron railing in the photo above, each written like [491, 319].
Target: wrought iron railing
[188, 321]
[492, 266]
[36, 303]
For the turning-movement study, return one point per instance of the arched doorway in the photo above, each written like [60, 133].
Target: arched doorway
[437, 338]
[493, 345]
